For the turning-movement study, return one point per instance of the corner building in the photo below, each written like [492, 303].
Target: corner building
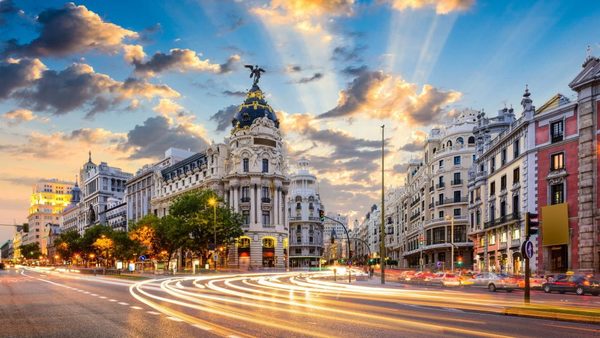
[249, 172]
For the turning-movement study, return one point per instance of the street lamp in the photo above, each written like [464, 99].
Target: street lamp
[451, 219]
[213, 202]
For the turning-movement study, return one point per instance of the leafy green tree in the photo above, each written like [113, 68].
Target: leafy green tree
[31, 250]
[68, 244]
[143, 233]
[125, 248]
[197, 211]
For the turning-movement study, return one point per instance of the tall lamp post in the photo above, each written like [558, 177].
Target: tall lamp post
[451, 219]
[213, 202]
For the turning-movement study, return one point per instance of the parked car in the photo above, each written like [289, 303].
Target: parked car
[535, 282]
[580, 284]
[450, 279]
[493, 281]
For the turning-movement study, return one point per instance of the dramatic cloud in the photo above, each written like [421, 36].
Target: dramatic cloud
[236, 93]
[441, 6]
[314, 77]
[78, 86]
[354, 71]
[18, 116]
[155, 135]
[417, 143]
[293, 68]
[179, 60]
[7, 7]
[224, 116]
[72, 29]
[306, 16]
[348, 54]
[378, 95]
[60, 145]
[16, 74]
[20, 180]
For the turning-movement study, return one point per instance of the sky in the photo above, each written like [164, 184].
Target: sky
[128, 79]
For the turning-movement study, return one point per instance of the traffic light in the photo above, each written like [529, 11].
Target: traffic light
[459, 261]
[322, 215]
[421, 240]
[533, 223]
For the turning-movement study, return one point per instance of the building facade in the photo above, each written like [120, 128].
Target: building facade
[306, 229]
[47, 201]
[100, 182]
[116, 214]
[249, 172]
[140, 188]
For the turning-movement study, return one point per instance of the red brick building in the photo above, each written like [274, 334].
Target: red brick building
[557, 145]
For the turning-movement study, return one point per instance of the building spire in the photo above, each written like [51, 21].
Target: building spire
[76, 180]
[90, 156]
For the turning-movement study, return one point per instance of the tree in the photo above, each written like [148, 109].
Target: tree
[125, 247]
[171, 234]
[104, 246]
[31, 250]
[68, 244]
[198, 216]
[143, 232]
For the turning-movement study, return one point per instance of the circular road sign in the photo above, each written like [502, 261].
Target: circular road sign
[527, 249]
[142, 258]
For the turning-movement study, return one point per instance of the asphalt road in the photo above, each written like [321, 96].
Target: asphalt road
[52, 304]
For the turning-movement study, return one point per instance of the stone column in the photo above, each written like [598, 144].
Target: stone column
[276, 207]
[252, 205]
[236, 199]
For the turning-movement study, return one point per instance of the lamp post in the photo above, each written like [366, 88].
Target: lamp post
[451, 219]
[213, 202]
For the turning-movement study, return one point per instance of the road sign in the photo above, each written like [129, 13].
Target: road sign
[527, 249]
[439, 264]
[142, 258]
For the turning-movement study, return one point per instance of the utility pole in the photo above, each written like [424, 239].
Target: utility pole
[382, 227]
[452, 242]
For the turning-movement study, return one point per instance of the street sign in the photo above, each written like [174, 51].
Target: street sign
[142, 258]
[439, 264]
[527, 249]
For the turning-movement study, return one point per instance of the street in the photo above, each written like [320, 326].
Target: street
[38, 303]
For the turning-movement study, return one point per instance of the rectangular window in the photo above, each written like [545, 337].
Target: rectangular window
[457, 212]
[503, 156]
[457, 196]
[515, 206]
[245, 217]
[516, 175]
[503, 183]
[492, 239]
[557, 192]
[456, 160]
[492, 164]
[557, 131]
[557, 161]
[516, 233]
[265, 192]
[265, 165]
[492, 188]
[441, 163]
[516, 150]
[503, 237]
[246, 165]
[441, 214]
[246, 192]
[266, 218]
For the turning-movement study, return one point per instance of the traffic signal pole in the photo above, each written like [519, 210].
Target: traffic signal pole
[527, 293]
[323, 217]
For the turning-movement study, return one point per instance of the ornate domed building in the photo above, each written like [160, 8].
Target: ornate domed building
[249, 172]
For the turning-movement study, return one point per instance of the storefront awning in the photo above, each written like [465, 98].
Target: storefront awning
[555, 224]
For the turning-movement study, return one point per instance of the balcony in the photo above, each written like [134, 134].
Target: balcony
[502, 219]
[451, 201]
[415, 202]
[431, 189]
[457, 182]
[431, 205]
[415, 216]
[245, 199]
[440, 185]
[313, 218]
[265, 200]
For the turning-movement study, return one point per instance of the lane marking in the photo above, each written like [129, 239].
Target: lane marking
[93, 294]
[202, 327]
[112, 300]
[153, 313]
[175, 319]
[136, 307]
[102, 297]
[123, 303]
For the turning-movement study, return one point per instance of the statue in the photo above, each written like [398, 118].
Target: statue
[255, 73]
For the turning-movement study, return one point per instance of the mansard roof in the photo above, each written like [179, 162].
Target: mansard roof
[191, 162]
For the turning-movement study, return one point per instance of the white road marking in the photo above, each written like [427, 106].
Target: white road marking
[102, 297]
[136, 307]
[202, 327]
[175, 319]
[153, 312]
[112, 300]
[93, 294]
[123, 303]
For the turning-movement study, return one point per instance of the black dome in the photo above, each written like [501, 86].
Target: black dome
[254, 106]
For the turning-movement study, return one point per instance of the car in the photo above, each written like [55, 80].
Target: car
[535, 282]
[580, 284]
[493, 282]
[450, 279]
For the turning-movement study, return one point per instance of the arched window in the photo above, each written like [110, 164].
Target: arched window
[298, 198]
[471, 140]
[298, 206]
[434, 150]
[244, 242]
[460, 141]
[311, 207]
[449, 143]
[311, 198]
[268, 242]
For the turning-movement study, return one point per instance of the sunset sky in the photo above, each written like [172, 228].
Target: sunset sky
[129, 79]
